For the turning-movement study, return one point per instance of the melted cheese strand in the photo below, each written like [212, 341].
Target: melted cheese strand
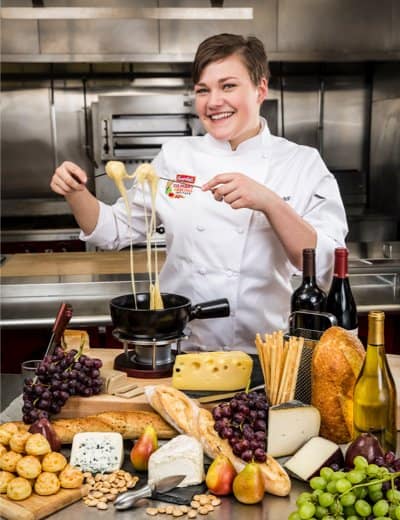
[117, 172]
[144, 174]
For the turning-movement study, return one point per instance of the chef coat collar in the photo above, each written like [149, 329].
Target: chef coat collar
[254, 143]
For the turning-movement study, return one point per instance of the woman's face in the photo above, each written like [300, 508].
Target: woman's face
[228, 102]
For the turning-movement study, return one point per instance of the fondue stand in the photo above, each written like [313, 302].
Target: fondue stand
[149, 358]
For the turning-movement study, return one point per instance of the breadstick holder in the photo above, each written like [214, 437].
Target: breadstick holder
[309, 325]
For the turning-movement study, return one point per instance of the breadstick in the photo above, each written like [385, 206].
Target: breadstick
[299, 349]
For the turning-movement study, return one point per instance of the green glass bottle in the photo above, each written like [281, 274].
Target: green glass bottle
[374, 391]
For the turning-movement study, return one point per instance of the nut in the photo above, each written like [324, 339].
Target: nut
[215, 501]
[203, 500]
[203, 510]
[195, 504]
[192, 513]
[102, 505]
[152, 511]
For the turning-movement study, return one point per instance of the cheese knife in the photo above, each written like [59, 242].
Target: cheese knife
[129, 498]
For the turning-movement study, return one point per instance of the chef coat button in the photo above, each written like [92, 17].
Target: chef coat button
[233, 314]
[199, 227]
[240, 230]
[202, 270]
[229, 272]
[265, 155]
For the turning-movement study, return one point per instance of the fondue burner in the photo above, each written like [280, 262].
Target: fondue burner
[152, 358]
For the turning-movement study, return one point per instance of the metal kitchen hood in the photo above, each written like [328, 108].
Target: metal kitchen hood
[157, 13]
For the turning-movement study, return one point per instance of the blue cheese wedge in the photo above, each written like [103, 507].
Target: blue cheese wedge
[183, 455]
[97, 452]
[290, 425]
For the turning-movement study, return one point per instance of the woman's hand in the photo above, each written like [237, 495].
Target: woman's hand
[239, 191]
[68, 178]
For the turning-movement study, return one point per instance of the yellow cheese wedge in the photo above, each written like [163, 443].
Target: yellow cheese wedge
[212, 371]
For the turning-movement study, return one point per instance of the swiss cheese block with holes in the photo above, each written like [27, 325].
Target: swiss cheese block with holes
[213, 371]
[290, 425]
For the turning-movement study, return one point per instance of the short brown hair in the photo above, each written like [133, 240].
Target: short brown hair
[220, 46]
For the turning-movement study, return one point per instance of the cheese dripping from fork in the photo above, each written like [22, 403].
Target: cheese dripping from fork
[144, 175]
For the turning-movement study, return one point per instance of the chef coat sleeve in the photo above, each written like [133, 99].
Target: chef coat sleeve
[112, 228]
[326, 213]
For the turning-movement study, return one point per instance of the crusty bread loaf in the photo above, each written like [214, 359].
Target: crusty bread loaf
[129, 424]
[188, 418]
[175, 407]
[336, 363]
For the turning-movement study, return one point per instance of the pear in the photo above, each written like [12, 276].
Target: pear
[220, 475]
[248, 486]
[143, 448]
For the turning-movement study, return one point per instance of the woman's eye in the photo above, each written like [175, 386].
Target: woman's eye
[229, 86]
[200, 91]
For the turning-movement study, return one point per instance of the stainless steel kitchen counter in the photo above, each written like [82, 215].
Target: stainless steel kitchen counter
[27, 303]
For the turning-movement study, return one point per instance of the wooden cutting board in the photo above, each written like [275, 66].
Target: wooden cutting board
[82, 406]
[36, 506]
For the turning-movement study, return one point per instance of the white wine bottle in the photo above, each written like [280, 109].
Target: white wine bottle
[374, 391]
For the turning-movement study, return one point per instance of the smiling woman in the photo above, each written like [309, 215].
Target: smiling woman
[277, 198]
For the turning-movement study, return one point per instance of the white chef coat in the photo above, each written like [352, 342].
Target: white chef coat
[214, 251]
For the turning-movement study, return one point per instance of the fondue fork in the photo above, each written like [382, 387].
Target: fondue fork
[164, 179]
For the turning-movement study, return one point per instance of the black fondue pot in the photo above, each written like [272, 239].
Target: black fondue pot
[170, 322]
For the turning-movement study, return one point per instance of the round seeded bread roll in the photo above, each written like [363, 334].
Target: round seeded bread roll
[37, 444]
[29, 467]
[19, 489]
[18, 441]
[47, 484]
[8, 461]
[54, 462]
[5, 478]
[71, 477]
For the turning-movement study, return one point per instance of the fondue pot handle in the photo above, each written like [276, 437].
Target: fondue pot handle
[212, 309]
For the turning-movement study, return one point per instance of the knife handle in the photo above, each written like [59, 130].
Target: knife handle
[129, 498]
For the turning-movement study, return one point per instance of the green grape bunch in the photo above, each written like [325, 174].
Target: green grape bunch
[366, 492]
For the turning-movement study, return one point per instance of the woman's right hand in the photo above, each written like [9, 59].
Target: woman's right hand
[68, 178]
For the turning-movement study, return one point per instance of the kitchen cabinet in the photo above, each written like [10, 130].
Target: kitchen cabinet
[340, 27]
[183, 36]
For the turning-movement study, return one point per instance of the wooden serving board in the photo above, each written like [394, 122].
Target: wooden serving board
[36, 506]
[82, 406]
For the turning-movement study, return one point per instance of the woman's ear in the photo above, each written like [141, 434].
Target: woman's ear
[262, 90]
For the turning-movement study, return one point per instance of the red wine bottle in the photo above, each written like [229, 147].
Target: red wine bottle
[308, 296]
[340, 301]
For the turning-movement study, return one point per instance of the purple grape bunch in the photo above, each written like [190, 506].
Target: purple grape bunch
[65, 373]
[243, 422]
[389, 461]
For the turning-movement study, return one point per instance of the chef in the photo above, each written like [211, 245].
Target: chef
[263, 200]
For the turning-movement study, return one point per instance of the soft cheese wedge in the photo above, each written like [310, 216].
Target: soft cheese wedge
[97, 452]
[290, 425]
[226, 371]
[183, 455]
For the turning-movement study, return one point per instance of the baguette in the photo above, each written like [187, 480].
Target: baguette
[336, 363]
[129, 424]
[187, 417]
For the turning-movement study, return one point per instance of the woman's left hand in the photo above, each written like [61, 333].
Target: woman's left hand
[239, 191]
